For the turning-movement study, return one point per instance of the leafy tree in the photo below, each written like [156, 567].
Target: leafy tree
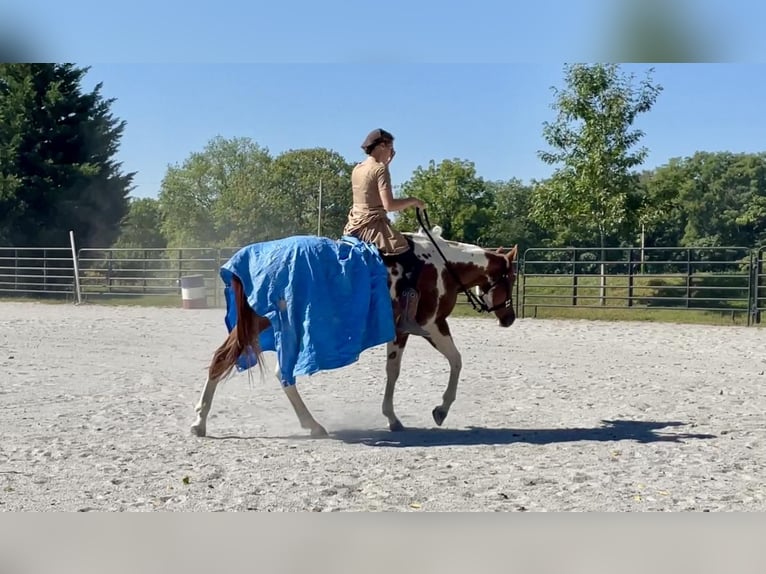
[456, 198]
[57, 170]
[592, 195]
[234, 193]
[510, 223]
[709, 199]
[142, 227]
[218, 196]
[294, 196]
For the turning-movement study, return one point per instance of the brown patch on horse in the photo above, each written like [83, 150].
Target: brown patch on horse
[452, 288]
[429, 297]
[443, 327]
[497, 265]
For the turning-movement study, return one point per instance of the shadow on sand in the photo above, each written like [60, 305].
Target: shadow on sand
[610, 431]
[618, 430]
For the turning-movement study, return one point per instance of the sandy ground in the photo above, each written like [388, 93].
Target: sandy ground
[96, 405]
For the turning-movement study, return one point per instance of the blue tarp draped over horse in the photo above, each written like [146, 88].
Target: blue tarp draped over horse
[327, 301]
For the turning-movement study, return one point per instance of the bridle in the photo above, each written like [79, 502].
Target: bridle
[476, 302]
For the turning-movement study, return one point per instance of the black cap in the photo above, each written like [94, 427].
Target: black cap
[376, 137]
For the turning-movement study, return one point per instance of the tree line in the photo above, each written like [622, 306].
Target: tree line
[58, 172]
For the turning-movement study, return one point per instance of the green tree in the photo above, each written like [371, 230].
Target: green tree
[142, 227]
[219, 196]
[510, 223]
[57, 167]
[708, 199]
[456, 199]
[294, 193]
[593, 193]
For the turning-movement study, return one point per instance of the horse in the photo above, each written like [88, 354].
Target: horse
[485, 276]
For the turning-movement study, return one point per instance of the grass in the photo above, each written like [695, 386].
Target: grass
[713, 299]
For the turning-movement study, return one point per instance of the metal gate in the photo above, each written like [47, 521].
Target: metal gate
[759, 285]
[727, 280]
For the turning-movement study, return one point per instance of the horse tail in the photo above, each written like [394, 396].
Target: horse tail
[243, 337]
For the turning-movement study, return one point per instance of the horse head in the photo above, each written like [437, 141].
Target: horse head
[463, 267]
[496, 290]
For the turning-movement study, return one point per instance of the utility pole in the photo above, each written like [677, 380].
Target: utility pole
[319, 213]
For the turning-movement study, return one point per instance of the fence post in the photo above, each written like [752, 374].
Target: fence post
[45, 270]
[688, 276]
[144, 273]
[516, 295]
[75, 267]
[109, 270]
[757, 282]
[180, 268]
[522, 271]
[630, 277]
[574, 277]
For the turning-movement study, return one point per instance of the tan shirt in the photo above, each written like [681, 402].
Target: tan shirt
[368, 219]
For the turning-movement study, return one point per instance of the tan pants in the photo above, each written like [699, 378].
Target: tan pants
[376, 229]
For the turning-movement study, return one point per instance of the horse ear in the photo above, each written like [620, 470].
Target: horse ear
[514, 252]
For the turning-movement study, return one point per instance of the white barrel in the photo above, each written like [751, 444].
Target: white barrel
[193, 292]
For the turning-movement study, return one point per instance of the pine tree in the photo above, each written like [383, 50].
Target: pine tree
[57, 171]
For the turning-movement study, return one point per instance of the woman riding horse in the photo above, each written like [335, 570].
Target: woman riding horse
[368, 220]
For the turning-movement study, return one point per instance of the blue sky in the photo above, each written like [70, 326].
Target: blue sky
[491, 114]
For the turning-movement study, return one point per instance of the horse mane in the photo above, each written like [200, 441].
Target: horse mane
[452, 250]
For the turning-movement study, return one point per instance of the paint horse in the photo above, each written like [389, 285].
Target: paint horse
[450, 268]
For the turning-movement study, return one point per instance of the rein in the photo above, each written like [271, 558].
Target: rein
[477, 303]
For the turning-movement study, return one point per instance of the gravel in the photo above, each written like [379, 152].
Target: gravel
[551, 415]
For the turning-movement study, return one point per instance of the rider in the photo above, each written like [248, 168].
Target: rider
[368, 220]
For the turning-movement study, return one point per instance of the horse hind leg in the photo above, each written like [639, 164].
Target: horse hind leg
[305, 418]
[395, 350]
[220, 366]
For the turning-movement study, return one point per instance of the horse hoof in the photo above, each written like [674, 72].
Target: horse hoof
[439, 415]
[198, 430]
[319, 432]
[396, 426]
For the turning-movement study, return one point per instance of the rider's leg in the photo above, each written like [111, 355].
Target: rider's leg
[410, 297]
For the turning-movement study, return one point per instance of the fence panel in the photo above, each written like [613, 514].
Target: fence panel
[722, 279]
[36, 271]
[151, 274]
[759, 285]
[692, 278]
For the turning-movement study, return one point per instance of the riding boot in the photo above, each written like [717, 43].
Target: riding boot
[409, 299]
[408, 303]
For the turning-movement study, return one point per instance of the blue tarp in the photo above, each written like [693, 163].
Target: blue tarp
[335, 300]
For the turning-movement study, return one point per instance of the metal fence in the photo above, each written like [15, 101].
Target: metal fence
[153, 274]
[722, 279]
[759, 284]
[36, 271]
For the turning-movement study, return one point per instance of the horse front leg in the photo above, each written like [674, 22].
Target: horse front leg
[394, 352]
[442, 341]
